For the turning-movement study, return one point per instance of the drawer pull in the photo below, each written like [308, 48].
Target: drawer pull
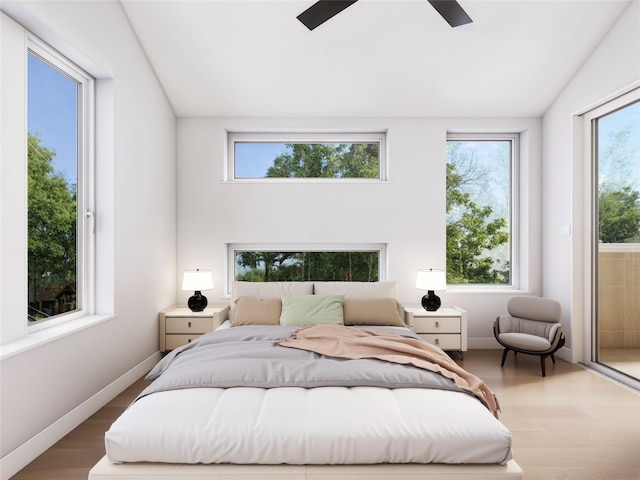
[189, 341]
[189, 324]
[437, 324]
[437, 341]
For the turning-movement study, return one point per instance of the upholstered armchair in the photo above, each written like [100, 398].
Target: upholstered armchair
[532, 327]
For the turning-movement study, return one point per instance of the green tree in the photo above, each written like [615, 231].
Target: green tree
[618, 197]
[327, 160]
[263, 266]
[619, 215]
[308, 266]
[51, 222]
[472, 233]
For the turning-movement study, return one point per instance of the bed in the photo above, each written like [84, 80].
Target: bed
[292, 387]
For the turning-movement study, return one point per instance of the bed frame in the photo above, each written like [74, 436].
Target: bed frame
[104, 470]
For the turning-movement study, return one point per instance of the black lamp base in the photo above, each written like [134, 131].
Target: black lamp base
[431, 302]
[197, 302]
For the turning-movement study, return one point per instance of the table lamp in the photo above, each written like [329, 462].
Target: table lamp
[197, 280]
[431, 280]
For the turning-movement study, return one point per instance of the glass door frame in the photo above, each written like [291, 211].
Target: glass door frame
[590, 126]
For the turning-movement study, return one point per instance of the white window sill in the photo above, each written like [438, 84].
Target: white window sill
[319, 180]
[46, 335]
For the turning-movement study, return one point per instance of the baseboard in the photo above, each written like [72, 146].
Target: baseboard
[565, 354]
[19, 458]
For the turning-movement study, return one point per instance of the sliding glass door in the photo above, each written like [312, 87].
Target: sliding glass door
[614, 130]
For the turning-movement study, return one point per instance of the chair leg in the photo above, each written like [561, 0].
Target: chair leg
[504, 356]
[553, 358]
[542, 359]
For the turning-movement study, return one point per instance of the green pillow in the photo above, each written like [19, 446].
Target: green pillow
[306, 310]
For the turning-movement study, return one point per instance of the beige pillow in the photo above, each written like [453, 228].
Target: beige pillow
[256, 311]
[372, 311]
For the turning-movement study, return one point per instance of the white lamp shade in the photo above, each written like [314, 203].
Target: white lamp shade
[197, 280]
[431, 280]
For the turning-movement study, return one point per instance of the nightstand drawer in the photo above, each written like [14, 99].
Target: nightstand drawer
[436, 325]
[445, 341]
[189, 325]
[175, 341]
[179, 325]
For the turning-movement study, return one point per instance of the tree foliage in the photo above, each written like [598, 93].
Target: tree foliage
[308, 266]
[619, 215]
[327, 160]
[618, 200]
[473, 233]
[51, 222]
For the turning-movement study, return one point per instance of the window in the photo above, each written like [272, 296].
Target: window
[302, 263]
[306, 156]
[480, 199]
[59, 163]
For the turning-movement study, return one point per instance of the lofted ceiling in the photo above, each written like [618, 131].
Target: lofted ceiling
[377, 58]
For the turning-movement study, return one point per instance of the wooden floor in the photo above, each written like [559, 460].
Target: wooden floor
[573, 424]
[625, 360]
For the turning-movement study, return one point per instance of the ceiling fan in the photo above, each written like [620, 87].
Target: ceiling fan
[323, 10]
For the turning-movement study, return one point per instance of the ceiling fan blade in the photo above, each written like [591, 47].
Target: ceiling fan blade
[451, 11]
[321, 11]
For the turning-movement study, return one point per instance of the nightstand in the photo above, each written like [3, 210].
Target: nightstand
[179, 325]
[446, 327]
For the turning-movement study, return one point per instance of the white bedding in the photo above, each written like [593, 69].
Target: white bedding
[328, 425]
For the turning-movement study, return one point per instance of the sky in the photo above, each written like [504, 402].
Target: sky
[52, 114]
[628, 116]
[254, 159]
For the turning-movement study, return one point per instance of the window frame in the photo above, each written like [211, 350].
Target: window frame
[85, 182]
[514, 209]
[309, 137]
[232, 248]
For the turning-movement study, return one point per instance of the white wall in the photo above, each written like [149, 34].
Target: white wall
[612, 68]
[49, 386]
[407, 213]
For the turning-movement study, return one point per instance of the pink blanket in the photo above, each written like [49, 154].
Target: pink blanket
[350, 342]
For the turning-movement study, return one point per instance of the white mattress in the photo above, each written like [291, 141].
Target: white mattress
[327, 425]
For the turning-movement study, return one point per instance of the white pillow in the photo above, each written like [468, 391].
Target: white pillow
[270, 289]
[356, 289]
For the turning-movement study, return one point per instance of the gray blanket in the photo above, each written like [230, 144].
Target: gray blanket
[246, 357]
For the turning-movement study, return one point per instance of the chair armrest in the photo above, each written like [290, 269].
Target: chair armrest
[555, 333]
